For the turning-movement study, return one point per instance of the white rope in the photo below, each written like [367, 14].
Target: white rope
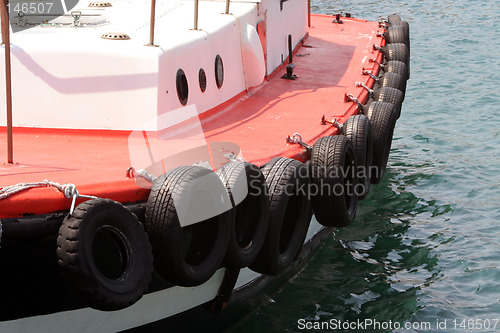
[69, 191]
[203, 164]
[233, 157]
[141, 174]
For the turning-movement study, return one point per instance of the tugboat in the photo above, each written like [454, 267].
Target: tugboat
[170, 154]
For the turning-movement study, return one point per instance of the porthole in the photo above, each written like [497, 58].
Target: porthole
[219, 71]
[202, 76]
[182, 87]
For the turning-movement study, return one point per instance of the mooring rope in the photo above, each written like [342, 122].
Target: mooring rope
[133, 173]
[69, 190]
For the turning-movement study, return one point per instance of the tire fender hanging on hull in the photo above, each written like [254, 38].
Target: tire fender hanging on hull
[288, 214]
[105, 254]
[188, 243]
[358, 130]
[383, 118]
[248, 193]
[390, 95]
[334, 174]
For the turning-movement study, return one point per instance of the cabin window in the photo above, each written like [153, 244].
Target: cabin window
[182, 87]
[202, 76]
[219, 71]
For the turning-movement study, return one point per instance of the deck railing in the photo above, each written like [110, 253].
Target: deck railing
[8, 88]
[195, 25]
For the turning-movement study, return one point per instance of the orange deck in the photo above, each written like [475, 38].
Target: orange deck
[327, 65]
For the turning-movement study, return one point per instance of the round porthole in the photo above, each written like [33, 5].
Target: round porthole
[203, 80]
[182, 87]
[219, 71]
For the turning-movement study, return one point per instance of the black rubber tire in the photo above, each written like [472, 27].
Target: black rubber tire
[289, 206]
[396, 51]
[391, 19]
[248, 193]
[383, 120]
[397, 67]
[370, 99]
[395, 34]
[187, 256]
[333, 168]
[406, 30]
[309, 218]
[358, 130]
[390, 95]
[306, 229]
[104, 254]
[393, 80]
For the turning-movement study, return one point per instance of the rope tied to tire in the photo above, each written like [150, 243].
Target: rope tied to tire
[374, 61]
[333, 122]
[233, 157]
[351, 98]
[382, 23]
[296, 139]
[370, 73]
[69, 190]
[134, 174]
[368, 89]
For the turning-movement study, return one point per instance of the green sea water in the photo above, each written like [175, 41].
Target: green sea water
[424, 250]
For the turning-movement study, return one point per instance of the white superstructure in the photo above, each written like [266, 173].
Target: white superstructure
[65, 75]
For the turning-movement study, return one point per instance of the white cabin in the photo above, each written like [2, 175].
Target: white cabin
[65, 74]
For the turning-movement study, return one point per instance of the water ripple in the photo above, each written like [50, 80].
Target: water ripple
[426, 242]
